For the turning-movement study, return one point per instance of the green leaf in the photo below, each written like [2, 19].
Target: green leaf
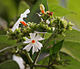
[56, 47]
[10, 8]
[57, 9]
[33, 17]
[22, 7]
[71, 44]
[9, 64]
[72, 48]
[69, 63]
[5, 42]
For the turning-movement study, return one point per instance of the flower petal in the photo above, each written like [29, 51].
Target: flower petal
[38, 45]
[16, 25]
[27, 40]
[47, 21]
[38, 14]
[38, 37]
[34, 49]
[32, 35]
[24, 15]
[27, 11]
[42, 20]
[27, 47]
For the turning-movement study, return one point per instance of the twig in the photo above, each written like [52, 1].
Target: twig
[10, 47]
[37, 65]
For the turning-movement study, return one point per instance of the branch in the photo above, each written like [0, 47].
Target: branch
[37, 65]
[10, 47]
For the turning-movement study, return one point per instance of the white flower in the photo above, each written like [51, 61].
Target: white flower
[63, 18]
[33, 42]
[16, 25]
[47, 21]
[53, 28]
[19, 61]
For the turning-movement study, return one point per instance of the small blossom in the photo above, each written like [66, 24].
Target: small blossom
[53, 28]
[42, 8]
[19, 61]
[33, 43]
[63, 18]
[47, 21]
[24, 23]
[20, 20]
[51, 13]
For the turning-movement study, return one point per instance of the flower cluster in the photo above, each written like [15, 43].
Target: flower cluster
[29, 34]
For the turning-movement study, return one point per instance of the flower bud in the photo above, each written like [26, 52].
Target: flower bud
[42, 8]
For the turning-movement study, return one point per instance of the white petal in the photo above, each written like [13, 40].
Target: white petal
[32, 35]
[62, 18]
[34, 49]
[38, 14]
[16, 25]
[38, 45]
[20, 61]
[27, 47]
[53, 28]
[27, 11]
[47, 21]
[38, 37]
[41, 19]
[24, 15]
[27, 40]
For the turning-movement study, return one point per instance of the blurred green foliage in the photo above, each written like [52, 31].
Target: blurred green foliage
[11, 9]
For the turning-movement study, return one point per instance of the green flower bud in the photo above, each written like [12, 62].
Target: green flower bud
[70, 28]
[24, 38]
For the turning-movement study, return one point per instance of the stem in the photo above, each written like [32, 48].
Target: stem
[58, 57]
[37, 56]
[28, 57]
[37, 65]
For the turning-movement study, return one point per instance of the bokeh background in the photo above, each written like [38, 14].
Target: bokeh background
[10, 11]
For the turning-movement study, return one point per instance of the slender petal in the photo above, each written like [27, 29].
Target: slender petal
[42, 19]
[32, 35]
[16, 25]
[27, 40]
[38, 14]
[33, 50]
[38, 45]
[27, 11]
[27, 47]
[38, 37]
[24, 15]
